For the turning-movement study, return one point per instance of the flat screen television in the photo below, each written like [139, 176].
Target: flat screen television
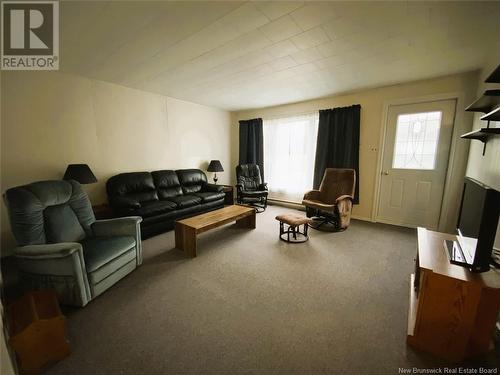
[476, 227]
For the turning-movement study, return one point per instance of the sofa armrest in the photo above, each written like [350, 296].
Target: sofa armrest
[263, 186]
[213, 188]
[124, 202]
[313, 195]
[123, 226]
[342, 197]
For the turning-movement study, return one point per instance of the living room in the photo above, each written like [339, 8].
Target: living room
[183, 99]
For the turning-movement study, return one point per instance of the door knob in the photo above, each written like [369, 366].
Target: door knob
[385, 173]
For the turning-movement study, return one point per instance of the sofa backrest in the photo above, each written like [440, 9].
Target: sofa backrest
[138, 186]
[248, 175]
[49, 212]
[167, 184]
[192, 180]
[145, 186]
[337, 182]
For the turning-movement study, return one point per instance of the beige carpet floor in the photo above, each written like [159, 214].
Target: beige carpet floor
[251, 304]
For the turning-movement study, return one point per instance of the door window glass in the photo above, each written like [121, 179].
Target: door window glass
[417, 136]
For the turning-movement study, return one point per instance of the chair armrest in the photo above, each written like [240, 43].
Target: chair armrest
[123, 226]
[213, 188]
[313, 195]
[342, 197]
[239, 187]
[59, 266]
[263, 186]
[47, 251]
[124, 202]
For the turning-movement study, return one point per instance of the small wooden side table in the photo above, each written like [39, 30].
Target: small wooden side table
[229, 191]
[37, 331]
[452, 311]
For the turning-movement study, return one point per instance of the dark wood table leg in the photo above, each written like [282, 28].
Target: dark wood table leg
[247, 221]
[179, 236]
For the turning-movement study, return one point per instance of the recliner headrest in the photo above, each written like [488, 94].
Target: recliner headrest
[30, 205]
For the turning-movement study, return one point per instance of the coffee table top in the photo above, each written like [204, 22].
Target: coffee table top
[218, 217]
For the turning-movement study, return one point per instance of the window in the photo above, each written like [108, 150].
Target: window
[417, 137]
[289, 152]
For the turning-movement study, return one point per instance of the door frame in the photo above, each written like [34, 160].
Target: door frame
[455, 170]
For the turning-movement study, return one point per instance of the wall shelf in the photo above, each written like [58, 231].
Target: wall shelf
[489, 104]
[486, 103]
[481, 134]
[494, 77]
[492, 116]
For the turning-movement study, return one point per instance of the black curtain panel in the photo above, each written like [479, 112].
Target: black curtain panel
[338, 142]
[252, 143]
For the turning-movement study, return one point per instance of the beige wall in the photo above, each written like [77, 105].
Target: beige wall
[52, 119]
[486, 168]
[373, 103]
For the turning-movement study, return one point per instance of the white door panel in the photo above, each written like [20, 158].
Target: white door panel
[415, 160]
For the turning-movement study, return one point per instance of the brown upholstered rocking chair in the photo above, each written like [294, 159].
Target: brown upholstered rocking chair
[332, 203]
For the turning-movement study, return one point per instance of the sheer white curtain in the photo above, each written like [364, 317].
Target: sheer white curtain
[289, 152]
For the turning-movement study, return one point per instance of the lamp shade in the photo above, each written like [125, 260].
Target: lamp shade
[215, 166]
[80, 173]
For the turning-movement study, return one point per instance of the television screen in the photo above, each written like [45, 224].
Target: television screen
[476, 227]
[469, 221]
[472, 208]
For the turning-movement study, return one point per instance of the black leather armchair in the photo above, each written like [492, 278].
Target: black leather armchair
[250, 187]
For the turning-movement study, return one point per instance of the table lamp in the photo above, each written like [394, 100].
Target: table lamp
[80, 173]
[215, 166]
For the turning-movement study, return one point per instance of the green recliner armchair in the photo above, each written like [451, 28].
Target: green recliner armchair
[63, 247]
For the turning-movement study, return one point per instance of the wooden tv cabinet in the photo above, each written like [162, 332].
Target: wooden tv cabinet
[452, 311]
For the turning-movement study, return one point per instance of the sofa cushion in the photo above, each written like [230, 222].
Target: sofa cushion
[209, 196]
[99, 251]
[184, 201]
[155, 208]
[192, 180]
[167, 184]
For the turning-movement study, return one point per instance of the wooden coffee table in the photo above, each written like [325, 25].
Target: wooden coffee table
[187, 230]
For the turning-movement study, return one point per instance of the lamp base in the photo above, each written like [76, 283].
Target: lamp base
[215, 179]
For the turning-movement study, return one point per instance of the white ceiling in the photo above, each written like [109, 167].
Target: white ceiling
[238, 55]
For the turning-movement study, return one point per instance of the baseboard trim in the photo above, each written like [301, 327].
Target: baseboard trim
[362, 218]
[288, 204]
[378, 220]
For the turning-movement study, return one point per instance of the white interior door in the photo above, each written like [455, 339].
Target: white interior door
[415, 161]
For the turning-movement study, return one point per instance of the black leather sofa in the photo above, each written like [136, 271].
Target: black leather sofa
[161, 197]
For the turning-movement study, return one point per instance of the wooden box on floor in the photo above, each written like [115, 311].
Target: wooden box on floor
[452, 312]
[37, 331]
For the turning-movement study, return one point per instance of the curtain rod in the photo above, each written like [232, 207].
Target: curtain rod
[290, 115]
